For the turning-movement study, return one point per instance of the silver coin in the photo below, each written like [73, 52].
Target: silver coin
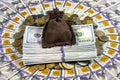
[83, 63]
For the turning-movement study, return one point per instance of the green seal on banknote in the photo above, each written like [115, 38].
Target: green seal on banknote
[79, 34]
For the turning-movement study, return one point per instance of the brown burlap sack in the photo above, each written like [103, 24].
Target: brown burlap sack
[57, 32]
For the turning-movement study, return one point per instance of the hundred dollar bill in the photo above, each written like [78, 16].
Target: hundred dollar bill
[33, 34]
[84, 34]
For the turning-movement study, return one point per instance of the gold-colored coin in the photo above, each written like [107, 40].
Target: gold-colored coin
[40, 21]
[103, 38]
[52, 65]
[41, 66]
[67, 65]
[18, 35]
[98, 42]
[61, 66]
[99, 33]
[87, 20]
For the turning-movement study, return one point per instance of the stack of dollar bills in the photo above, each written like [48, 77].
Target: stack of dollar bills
[84, 49]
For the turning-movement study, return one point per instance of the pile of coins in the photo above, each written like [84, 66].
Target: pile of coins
[75, 20]
[18, 39]
[55, 66]
[101, 39]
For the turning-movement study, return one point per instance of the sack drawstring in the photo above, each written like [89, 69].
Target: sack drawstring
[56, 14]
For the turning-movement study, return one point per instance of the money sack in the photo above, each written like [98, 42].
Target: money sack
[57, 32]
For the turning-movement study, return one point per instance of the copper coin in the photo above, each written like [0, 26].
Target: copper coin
[17, 43]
